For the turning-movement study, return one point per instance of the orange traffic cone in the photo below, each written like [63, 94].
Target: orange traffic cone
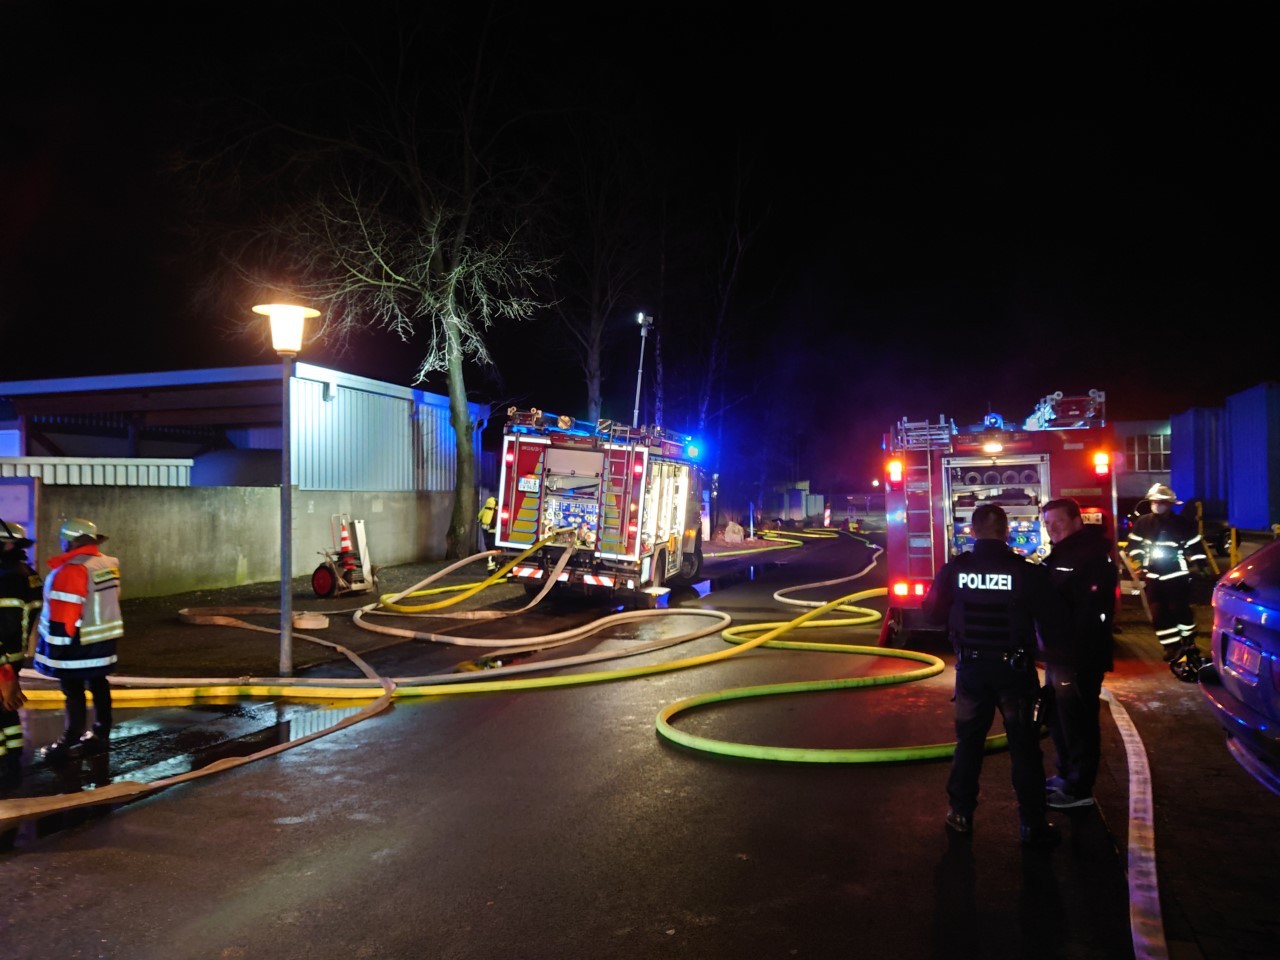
[345, 551]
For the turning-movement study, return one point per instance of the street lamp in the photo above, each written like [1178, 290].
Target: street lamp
[287, 320]
[645, 324]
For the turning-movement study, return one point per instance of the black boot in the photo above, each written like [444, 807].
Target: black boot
[61, 750]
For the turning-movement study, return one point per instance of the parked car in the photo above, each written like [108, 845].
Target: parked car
[1242, 683]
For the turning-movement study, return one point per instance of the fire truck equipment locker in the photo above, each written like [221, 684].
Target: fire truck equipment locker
[936, 475]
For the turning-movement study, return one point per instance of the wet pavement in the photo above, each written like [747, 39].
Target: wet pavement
[554, 823]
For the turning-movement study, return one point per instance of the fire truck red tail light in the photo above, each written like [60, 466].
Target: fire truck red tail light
[894, 470]
[510, 457]
[504, 513]
[901, 589]
[1101, 464]
[638, 468]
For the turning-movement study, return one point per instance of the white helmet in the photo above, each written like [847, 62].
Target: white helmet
[11, 532]
[79, 527]
[1159, 493]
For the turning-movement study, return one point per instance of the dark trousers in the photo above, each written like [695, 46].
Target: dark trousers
[1072, 704]
[982, 688]
[11, 752]
[1171, 614]
[73, 689]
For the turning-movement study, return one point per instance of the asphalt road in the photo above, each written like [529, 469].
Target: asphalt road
[556, 823]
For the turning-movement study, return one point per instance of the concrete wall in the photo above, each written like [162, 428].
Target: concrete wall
[176, 539]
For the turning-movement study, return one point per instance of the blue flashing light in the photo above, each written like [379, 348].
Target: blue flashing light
[693, 451]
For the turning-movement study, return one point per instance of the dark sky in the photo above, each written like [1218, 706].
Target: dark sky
[967, 211]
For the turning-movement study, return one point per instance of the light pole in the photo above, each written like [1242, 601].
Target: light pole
[286, 337]
[645, 324]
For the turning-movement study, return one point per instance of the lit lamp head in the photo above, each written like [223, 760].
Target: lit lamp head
[287, 320]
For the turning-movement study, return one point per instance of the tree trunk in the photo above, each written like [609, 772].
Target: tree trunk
[460, 540]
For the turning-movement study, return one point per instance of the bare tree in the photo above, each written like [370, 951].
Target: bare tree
[739, 230]
[600, 230]
[388, 223]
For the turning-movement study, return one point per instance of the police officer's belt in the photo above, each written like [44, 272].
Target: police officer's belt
[992, 653]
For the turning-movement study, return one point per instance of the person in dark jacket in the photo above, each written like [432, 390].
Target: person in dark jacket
[993, 602]
[1082, 568]
[1165, 545]
[19, 599]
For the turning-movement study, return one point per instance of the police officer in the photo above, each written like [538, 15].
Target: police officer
[19, 598]
[78, 629]
[993, 601]
[1082, 568]
[488, 518]
[1163, 544]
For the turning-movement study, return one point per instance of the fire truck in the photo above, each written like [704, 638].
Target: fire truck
[624, 502]
[936, 474]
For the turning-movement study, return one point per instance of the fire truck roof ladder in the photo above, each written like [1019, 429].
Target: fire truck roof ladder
[923, 435]
[1056, 412]
[541, 422]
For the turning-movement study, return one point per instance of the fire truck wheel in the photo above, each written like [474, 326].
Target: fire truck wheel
[692, 565]
[324, 581]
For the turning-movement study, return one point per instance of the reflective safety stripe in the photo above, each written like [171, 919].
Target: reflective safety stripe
[102, 631]
[76, 664]
[593, 580]
[68, 597]
[11, 602]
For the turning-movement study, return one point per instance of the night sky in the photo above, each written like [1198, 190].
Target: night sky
[965, 212]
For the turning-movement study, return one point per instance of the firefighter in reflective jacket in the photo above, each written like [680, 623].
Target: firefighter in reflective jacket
[1163, 544]
[19, 599]
[993, 601]
[488, 517]
[78, 629]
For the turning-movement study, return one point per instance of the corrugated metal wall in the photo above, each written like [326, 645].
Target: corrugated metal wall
[352, 433]
[1198, 457]
[1253, 436]
[99, 471]
[355, 440]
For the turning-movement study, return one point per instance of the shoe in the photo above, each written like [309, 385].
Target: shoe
[1039, 834]
[92, 744]
[1171, 652]
[959, 823]
[1054, 783]
[60, 751]
[1061, 800]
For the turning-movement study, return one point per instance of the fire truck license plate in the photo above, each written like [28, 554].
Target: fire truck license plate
[1243, 658]
[527, 484]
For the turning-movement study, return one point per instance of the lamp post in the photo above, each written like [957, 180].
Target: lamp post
[287, 321]
[645, 324]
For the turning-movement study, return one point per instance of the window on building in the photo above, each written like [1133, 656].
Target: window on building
[1150, 452]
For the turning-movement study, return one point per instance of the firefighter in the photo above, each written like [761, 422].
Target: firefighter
[78, 628]
[993, 601]
[19, 598]
[1163, 545]
[488, 517]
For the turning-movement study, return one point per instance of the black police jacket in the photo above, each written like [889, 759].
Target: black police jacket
[992, 599]
[1083, 571]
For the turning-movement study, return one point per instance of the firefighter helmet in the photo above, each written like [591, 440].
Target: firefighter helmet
[77, 527]
[11, 532]
[1160, 493]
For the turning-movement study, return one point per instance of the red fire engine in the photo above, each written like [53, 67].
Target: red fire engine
[936, 474]
[625, 502]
